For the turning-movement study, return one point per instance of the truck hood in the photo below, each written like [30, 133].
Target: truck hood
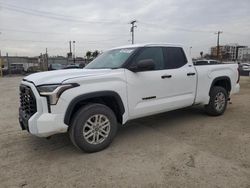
[59, 76]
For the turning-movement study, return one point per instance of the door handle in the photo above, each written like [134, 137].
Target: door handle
[166, 76]
[191, 74]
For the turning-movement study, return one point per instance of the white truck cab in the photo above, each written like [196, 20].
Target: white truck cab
[122, 84]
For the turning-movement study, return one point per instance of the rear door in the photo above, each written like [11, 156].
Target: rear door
[182, 84]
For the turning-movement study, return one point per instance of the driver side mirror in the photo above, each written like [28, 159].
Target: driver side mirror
[143, 65]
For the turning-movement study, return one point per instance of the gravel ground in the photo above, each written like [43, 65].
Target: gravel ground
[183, 148]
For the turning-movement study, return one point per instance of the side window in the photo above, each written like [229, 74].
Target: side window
[154, 53]
[175, 57]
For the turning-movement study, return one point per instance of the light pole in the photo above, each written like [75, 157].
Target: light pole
[133, 26]
[190, 50]
[74, 49]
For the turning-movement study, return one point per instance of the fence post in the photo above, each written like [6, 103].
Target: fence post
[8, 62]
[1, 65]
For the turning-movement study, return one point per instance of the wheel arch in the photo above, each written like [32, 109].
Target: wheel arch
[222, 81]
[109, 98]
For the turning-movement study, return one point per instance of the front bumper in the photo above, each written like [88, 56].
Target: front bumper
[23, 121]
[42, 123]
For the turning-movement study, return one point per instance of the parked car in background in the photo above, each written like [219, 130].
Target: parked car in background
[4, 70]
[56, 66]
[16, 68]
[33, 69]
[245, 66]
[206, 62]
[72, 66]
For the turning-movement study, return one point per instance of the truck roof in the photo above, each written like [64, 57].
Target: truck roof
[148, 44]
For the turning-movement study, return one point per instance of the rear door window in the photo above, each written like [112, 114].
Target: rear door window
[174, 57]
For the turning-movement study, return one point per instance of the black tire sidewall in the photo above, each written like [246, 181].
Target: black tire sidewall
[79, 120]
[211, 106]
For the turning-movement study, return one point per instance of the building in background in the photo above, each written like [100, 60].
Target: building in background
[227, 52]
[238, 51]
[214, 52]
[24, 64]
[58, 60]
[19, 63]
[244, 54]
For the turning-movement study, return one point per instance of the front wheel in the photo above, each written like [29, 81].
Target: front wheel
[93, 128]
[218, 101]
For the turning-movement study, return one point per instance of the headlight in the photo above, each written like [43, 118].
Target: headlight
[53, 91]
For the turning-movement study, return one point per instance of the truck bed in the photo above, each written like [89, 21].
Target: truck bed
[206, 75]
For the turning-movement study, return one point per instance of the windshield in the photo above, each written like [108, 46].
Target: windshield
[111, 59]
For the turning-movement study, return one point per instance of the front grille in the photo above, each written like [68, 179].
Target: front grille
[27, 102]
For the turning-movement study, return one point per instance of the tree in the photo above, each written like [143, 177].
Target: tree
[95, 53]
[201, 53]
[88, 55]
[207, 56]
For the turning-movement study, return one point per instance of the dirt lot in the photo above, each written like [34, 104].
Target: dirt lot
[184, 148]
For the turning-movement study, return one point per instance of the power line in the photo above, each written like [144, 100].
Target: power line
[61, 17]
[179, 28]
[28, 31]
[24, 40]
[239, 34]
[50, 15]
[34, 10]
[55, 33]
[172, 27]
[48, 41]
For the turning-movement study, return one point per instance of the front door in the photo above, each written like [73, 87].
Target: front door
[159, 90]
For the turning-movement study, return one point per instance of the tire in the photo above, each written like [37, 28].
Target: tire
[218, 101]
[93, 128]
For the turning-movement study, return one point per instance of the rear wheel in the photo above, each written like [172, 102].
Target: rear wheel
[218, 101]
[93, 128]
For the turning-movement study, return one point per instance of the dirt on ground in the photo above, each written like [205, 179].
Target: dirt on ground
[183, 148]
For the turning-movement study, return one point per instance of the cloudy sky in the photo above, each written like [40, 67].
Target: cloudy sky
[28, 27]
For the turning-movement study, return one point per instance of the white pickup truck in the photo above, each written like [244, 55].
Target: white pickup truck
[121, 84]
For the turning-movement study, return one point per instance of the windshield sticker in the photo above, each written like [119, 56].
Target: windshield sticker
[128, 51]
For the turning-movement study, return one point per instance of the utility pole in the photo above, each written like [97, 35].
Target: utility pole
[133, 26]
[218, 43]
[70, 47]
[74, 50]
[69, 58]
[39, 60]
[47, 61]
